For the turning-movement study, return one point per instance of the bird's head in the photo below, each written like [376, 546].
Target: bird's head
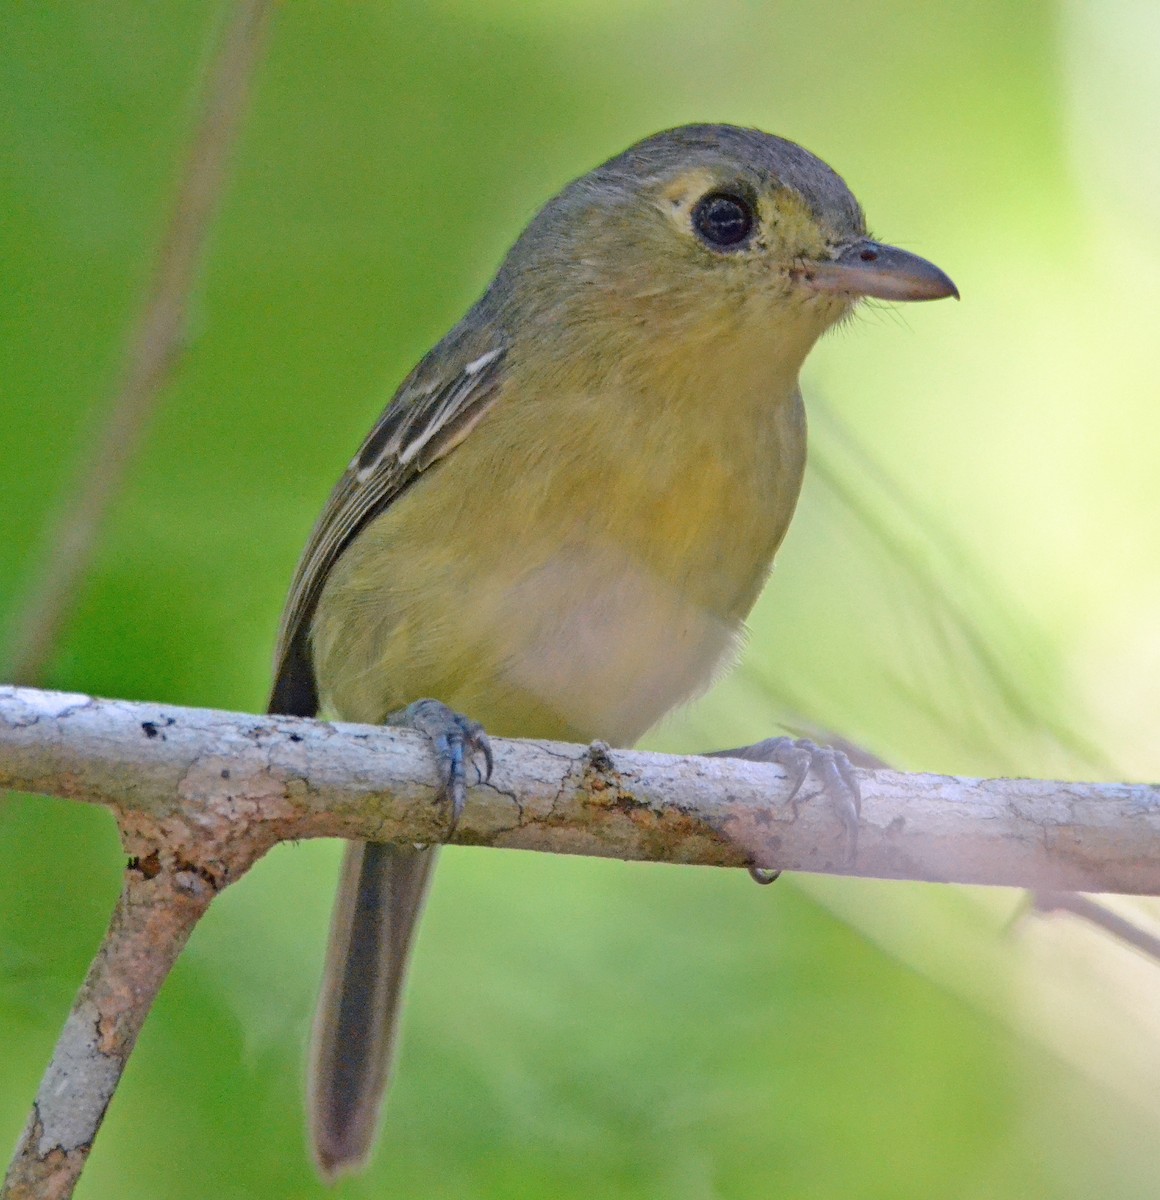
[706, 234]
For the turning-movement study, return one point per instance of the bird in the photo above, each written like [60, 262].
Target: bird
[560, 522]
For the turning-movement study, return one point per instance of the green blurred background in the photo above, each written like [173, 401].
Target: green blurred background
[972, 574]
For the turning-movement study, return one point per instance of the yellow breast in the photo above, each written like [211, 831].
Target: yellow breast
[581, 564]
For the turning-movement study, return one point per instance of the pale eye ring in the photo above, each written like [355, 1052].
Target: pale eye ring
[723, 220]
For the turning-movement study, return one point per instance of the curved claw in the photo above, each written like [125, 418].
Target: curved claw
[764, 875]
[483, 746]
[797, 762]
[456, 739]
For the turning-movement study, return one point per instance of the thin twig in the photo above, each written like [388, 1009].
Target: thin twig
[153, 350]
[1100, 916]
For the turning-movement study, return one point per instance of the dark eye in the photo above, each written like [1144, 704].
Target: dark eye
[723, 219]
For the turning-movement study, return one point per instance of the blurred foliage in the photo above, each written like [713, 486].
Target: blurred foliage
[971, 584]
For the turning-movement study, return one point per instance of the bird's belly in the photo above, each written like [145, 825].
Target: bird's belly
[583, 640]
[592, 643]
[587, 609]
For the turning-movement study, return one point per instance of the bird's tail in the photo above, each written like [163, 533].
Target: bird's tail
[380, 897]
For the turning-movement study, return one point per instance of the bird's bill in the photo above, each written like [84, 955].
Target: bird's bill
[866, 268]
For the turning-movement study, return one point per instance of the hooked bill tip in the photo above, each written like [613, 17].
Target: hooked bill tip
[866, 268]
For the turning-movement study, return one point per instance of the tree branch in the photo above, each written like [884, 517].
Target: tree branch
[200, 795]
[221, 788]
[152, 922]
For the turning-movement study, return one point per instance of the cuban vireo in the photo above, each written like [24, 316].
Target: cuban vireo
[562, 519]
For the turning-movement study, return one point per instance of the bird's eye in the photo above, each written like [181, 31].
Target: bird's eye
[723, 219]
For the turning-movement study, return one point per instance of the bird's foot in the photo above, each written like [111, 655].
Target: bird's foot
[457, 741]
[800, 756]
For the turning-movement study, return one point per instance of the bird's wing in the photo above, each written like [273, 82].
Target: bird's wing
[436, 407]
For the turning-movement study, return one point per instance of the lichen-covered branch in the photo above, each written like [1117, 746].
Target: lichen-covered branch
[213, 790]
